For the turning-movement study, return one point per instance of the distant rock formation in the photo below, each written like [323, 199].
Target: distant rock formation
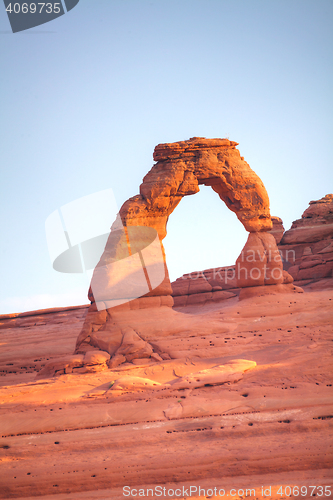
[307, 247]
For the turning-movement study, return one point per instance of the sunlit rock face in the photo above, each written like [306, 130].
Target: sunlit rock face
[307, 247]
[131, 279]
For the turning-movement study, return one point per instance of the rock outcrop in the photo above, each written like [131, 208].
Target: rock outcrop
[307, 247]
[182, 166]
[132, 275]
[259, 262]
[205, 286]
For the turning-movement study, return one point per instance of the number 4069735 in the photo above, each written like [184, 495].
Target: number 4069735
[33, 8]
[305, 491]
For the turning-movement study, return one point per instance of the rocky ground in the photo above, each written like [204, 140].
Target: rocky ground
[86, 435]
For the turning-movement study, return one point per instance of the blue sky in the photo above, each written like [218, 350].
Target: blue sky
[86, 97]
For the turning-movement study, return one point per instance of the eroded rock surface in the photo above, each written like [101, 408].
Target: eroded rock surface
[307, 247]
[201, 287]
[278, 228]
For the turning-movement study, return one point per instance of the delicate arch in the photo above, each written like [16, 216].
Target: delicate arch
[179, 170]
[181, 167]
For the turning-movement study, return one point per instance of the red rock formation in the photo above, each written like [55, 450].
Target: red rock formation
[215, 279]
[181, 167]
[307, 247]
[204, 286]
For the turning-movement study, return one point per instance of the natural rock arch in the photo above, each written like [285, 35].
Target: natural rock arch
[179, 170]
[181, 167]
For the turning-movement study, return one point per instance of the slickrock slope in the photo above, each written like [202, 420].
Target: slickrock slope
[87, 435]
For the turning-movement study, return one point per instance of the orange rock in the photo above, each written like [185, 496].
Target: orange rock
[181, 167]
[60, 366]
[287, 278]
[307, 248]
[108, 340]
[96, 357]
[260, 262]
[229, 372]
[315, 225]
[132, 347]
[316, 272]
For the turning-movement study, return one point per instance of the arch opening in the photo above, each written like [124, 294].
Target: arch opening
[202, 233]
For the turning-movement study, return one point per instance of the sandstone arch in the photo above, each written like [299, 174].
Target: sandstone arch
[179, 170]
[181, 167]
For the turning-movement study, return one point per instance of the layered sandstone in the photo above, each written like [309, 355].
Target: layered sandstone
[307, 247]
[210, 285]
[278, 228]
[182, 166]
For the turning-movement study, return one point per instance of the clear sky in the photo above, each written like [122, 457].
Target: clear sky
[86, 97]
